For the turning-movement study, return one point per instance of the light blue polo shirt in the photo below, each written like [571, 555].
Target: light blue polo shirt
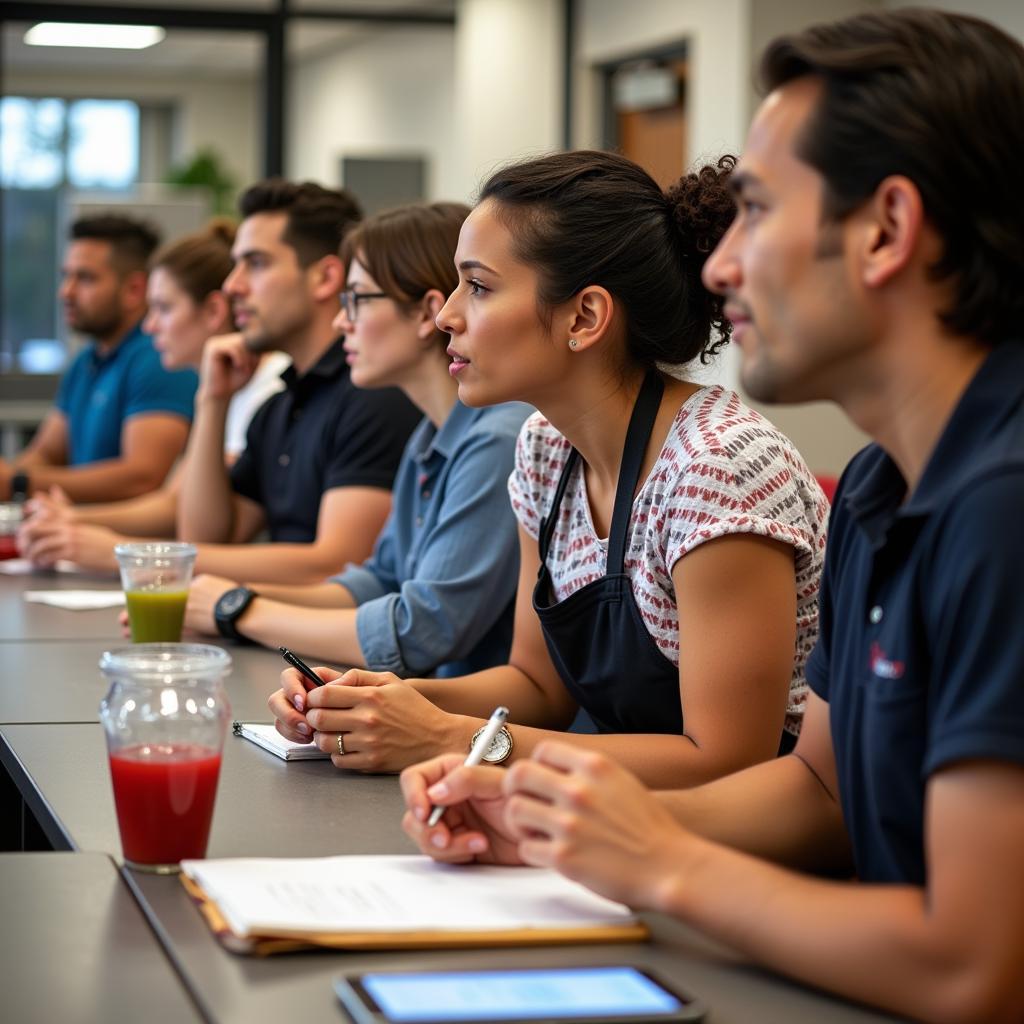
[100, 392]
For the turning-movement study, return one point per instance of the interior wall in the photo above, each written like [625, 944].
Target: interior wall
[222, 113]
[388, 93]
[1007, 14]
[508, 84]
[717, 32]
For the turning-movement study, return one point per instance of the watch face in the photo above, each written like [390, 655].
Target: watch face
[231, 601]
[500, 748]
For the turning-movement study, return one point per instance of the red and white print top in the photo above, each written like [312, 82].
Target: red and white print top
[723, 469]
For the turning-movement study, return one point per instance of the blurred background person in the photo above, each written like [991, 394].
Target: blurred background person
[437, 594]
[187, 307]
[120, 419]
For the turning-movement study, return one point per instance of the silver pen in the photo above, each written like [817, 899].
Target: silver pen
[476, 753]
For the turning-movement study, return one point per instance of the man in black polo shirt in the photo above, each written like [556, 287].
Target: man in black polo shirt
[320, 456]
[875, 260]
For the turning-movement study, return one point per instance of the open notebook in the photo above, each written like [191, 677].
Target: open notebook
[397, 902]
[267, 737]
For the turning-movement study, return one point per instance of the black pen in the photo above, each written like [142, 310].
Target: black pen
[296, 662]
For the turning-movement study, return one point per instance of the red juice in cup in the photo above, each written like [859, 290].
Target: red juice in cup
[164, 716]
[11, 515]
[164, 795]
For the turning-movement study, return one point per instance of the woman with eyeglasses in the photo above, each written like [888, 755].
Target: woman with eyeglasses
[671, 539]
[436, 595]
[186, 309]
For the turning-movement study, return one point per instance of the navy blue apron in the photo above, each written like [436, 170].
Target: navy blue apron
[596, 637]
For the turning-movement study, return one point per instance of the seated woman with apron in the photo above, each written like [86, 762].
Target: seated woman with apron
[671, 539]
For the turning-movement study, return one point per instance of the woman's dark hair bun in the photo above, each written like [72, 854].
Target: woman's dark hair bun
[590, 217]
[702, 207]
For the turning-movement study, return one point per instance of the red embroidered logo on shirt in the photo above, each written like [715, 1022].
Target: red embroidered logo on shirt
[883, 667]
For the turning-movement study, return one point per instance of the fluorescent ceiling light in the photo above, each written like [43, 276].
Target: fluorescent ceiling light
[112, 37]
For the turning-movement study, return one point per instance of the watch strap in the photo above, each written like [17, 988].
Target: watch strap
[20, 486]
[227, 622]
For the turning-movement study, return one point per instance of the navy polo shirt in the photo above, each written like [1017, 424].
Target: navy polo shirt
[919, 653]
[101, 391]
[320, 433]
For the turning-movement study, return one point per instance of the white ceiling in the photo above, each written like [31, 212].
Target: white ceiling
[271, 5]
[211, 53]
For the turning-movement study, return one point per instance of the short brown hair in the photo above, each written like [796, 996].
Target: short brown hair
[937, 98]
[199, 262]
[410, 251]
[318, 217]
[131, 241]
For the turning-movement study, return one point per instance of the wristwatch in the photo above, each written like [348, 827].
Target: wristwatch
[500, 749]
[230, 607]
[19, 486]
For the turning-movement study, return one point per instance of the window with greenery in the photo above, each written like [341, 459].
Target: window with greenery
[49, 145]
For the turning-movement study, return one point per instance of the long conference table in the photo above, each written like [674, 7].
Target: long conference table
[83, 938]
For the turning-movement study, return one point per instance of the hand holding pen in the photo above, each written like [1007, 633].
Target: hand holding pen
[297, 663]
[476, 753]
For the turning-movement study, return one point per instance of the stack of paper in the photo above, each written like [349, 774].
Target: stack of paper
[360, 902]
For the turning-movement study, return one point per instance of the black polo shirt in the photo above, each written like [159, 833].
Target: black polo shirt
[321, 432]
[920, 654]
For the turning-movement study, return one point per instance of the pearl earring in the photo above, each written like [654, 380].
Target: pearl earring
[573, 344]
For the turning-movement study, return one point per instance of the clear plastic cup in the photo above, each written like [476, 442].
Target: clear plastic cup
[165, 716]
[11, 515]
[156, 577]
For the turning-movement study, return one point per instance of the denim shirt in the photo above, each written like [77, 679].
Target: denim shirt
[437, 594]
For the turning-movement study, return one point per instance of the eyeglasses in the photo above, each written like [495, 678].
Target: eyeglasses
[350, 300]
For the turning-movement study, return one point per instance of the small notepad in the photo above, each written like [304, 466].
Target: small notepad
[267, 737]
[77, 600]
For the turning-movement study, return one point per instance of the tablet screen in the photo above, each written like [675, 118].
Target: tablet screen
[522, 995]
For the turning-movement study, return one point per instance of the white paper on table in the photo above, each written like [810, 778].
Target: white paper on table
[395, 894]
[77, 600]
[23, 567]
[267, 737]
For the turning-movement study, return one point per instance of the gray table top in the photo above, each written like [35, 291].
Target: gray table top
[245, 990]
[21, 621]
[75, 947]
[267, 807]
[54, 749]
[60, 682]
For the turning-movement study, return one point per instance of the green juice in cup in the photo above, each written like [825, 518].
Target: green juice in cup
[156, 577]
[156, 616]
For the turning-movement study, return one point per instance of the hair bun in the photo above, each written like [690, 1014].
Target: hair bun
[702, 208]
[222, 229]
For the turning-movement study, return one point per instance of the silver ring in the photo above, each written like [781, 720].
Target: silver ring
[341, 745]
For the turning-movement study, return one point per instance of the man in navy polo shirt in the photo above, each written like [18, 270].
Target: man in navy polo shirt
[120, 419]
[875, 261]
[320, 456]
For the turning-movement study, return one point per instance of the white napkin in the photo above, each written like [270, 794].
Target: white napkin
[23, 567]
[77, 600]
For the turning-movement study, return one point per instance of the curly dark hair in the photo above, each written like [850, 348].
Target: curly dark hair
[593, 218]
[318, 217]
[937, 98]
